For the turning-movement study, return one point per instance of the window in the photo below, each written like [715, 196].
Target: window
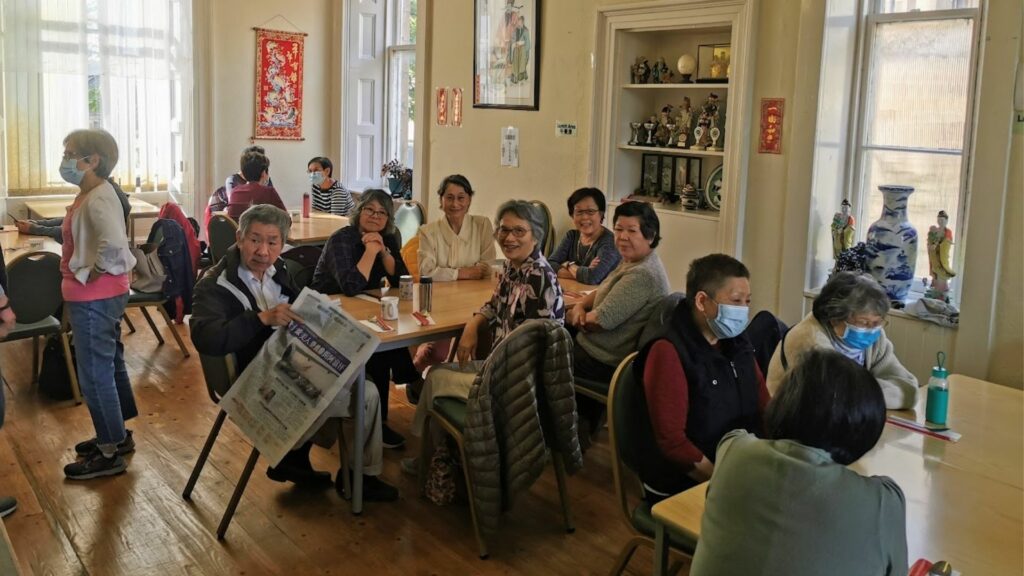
[401, 78]
[916, 82]
[120, 65]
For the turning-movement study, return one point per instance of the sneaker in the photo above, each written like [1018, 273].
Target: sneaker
[299, 476]
[374, 490]
[413, 390]
[90, 446]
[411, 466]
[95, 466]
[391, 438]
[7, 506]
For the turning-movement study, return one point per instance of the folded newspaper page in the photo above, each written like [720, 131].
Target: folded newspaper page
[300, 371]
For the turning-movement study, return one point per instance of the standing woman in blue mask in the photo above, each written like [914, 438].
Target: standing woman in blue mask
[96, 266]
[700, 378]
[848, 316]
[328, 194]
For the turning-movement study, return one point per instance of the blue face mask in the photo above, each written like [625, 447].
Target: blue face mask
[69, 171]
[861, 338]
[730, 322]
[316, 178]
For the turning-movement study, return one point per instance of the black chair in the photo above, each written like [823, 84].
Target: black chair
[301, 262]
[34, 292]
[409, 216]
[145, 300]
[222, 234]
[630, 429]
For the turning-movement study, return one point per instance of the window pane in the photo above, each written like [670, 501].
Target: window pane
[918, 84]
[936, 182]
[889, 6]
[402, 106]
[406, 25]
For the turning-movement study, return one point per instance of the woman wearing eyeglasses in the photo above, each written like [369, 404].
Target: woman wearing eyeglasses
[587, 254]
[356, 258]
[527, 289]
[848, 316]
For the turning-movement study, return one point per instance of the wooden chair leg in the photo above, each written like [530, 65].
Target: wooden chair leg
[237, 495]
[627, 554]
[76, 392]
[204, 454]
[149, 320]
[174, 330]
[128, 322]
[36, 368]
[426, 446]
[563, 490]
[481, 544]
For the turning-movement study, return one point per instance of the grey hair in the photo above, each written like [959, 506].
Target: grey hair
[384, 199]
[526, 211]
[265, 214]
[849, 293]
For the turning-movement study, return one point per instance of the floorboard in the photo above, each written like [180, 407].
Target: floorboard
[137, 523]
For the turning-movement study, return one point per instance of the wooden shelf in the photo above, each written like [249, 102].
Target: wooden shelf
[691, 86]
[677, 210]
[672, 151]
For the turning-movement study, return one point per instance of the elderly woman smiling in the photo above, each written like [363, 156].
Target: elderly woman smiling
[459, 246]
[587, 253]
[848, 316]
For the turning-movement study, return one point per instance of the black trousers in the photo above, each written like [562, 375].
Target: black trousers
[587, 367]
[383, 367]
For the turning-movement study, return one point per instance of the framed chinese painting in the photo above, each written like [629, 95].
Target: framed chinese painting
[506, 54]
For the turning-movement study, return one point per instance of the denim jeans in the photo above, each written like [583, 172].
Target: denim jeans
[102, 375]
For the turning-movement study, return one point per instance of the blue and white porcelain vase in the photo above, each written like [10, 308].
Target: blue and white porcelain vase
[892, 244]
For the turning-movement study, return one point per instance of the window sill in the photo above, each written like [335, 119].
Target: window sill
[902, 313]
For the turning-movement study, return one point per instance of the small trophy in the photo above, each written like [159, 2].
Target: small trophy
[698, 134]
[649, 126]
[634, 138]
[672, 133]
[715, 135]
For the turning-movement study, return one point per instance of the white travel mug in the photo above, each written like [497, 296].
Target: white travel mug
[389, 307]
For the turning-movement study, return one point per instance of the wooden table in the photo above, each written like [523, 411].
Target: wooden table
[453, 305]
[316, 229]
[59, 208]
[15, 243]
[965, 502]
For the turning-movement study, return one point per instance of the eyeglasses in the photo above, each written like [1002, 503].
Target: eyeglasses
[867, 324]
[503, 232]
[586, 212]
[374, 213]
[74, 155]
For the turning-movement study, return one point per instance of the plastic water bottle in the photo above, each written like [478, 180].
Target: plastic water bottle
[938, 393]
[307, 203]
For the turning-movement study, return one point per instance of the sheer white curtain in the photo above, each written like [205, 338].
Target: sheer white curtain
[121, 65]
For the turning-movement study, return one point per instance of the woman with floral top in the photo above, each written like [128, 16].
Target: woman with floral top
[527, 289]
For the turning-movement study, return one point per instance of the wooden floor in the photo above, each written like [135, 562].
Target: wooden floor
[137, 523]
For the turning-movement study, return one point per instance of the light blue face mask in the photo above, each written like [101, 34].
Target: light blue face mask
[861, 338]
[316, 178]
[69, 171]
[730, 322]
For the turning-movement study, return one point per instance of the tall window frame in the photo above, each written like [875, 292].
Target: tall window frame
[867, 201]
[401, 89]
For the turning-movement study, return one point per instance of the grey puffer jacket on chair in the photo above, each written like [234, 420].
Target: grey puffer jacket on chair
[521, 403]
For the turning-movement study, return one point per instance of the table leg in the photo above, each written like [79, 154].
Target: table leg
[131, 231]
[660, 550]
[358, 441]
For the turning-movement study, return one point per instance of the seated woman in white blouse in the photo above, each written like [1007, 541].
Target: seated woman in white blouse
[459, 246]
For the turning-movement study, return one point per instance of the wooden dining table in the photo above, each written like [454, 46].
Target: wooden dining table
[965, 501]
[315, 229]
[15, 243]
[59, 208]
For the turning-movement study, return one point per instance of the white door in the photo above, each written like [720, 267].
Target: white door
[364, 94]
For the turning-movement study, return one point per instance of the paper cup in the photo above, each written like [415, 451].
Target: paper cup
[389, 307]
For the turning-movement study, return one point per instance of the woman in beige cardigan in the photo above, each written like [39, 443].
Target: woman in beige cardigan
[848, 317]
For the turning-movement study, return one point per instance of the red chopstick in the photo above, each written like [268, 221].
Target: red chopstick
[423, 320]
[924, 431]
[383, 324]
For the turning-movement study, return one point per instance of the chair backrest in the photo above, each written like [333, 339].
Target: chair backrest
[661, 316]
[629, 425]
[547, 243]
[301, 262]
[220, 372]
[409, 216]
[411, 256]
[765, 331]
[195, 225]
[33, 286]
[222, 235]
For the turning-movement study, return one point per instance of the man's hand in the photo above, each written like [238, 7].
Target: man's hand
[279, 315]
[6, 317]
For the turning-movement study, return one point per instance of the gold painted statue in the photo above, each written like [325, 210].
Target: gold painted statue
[940, 240]
[842, 230]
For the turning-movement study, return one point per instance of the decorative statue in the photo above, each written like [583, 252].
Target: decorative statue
[685, 121]
[634, 76]
[842, 230]
[664, 75]
[656, 71]
[643, 71]
[708, 118]
[940, 239]
[661, 137]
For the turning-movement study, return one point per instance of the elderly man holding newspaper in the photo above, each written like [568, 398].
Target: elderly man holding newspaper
[238, 305]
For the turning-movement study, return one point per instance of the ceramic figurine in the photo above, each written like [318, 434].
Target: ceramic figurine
[656, 71]
[842, 230]
[892, 244]
[940, 240]
[664, 74]
[634, 137]
[643, 71]
[684, 120]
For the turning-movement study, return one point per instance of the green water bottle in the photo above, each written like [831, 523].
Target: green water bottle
[938, 393]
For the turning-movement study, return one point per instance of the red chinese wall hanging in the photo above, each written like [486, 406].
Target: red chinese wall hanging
[279, 64]
[772, 110]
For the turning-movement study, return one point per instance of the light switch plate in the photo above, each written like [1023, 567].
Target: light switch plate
[565, 128]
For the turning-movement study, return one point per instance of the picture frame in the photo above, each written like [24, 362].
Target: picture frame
[688, 170]
[713, 62]
[650, 175]
[506, 54]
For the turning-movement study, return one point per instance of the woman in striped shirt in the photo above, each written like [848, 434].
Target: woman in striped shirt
[328, 194]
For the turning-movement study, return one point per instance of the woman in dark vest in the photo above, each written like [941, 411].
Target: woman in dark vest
[700, 378]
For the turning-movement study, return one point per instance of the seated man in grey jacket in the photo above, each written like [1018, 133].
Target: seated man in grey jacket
[51, 226]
